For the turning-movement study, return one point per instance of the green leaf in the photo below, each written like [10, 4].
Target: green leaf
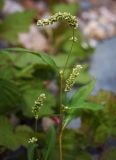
[22, 134]
[15, 23]
[101, 134]
[109, 154]
[46, 58]
[10, 139]
[6, 134]
[1, 3]
[31, 151]
[10, 96]
[82, 94]
[61, 58]
[77, 102]
[71, 8]
[50, 142]
[86, 105]
[31, 90]
[84, 156]
[7, 70]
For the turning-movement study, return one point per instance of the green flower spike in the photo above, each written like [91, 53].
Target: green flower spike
[38, 104]
[71, 80]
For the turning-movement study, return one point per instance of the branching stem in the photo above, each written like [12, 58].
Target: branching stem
[61, 97]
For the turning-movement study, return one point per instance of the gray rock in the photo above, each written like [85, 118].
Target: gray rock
[103, 66]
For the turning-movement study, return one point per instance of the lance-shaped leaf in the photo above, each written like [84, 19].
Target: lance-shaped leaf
[78, 102]
[31, 151]
[50, 143]
[82, 94]
[44, 57]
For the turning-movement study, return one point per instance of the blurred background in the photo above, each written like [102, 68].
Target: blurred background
[24, 76]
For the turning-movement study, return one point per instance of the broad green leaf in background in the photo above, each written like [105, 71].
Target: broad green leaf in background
[1, 3]
[13, 139]
[78, 102]
[71, 8]
[61, 58]
[101, 134]
[6, 134]
[109, 154]
[46, 58]
[10, 96]
[84, 156]
[7, 69]
[15, 23]
[31, 90]
[22, 134]
[50, 143]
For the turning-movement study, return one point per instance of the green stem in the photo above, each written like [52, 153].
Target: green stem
[61, 117]
[36, 124]
[61, 95]
[69, 53]
[60, 145]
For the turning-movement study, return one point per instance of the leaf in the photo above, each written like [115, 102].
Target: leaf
[6, 134]
[50, 143]
[22, 134]
[7, 70]
[84, 156]
[31, 90]
[109, 154]
[61, 58]
[10, 139]
[10, 96]
[15, 23]
[101, 134]
[77, 102]
[87, 105]
[1, 3]
[82, 94]
[71, 8]
[46, 58]
[31, 151]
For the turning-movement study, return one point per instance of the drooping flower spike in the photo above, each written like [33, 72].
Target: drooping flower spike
[71, 20]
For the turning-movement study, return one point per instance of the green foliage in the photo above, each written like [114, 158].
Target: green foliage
[13, 98]
[101, 134]
[23, 75]
[10, 96]
[18, 137]
[30, 92]
[50, 143]
[82, 94]
[7, 70]
[31, 151]
[1, 3]
[84, 156]
[78, 102]
[109, 154]
[71, 8]
[44, 57]
[15, 23]
[71, 151]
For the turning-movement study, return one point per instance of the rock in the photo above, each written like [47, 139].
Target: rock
[11, 7]
[103, 66]
[34, 39]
